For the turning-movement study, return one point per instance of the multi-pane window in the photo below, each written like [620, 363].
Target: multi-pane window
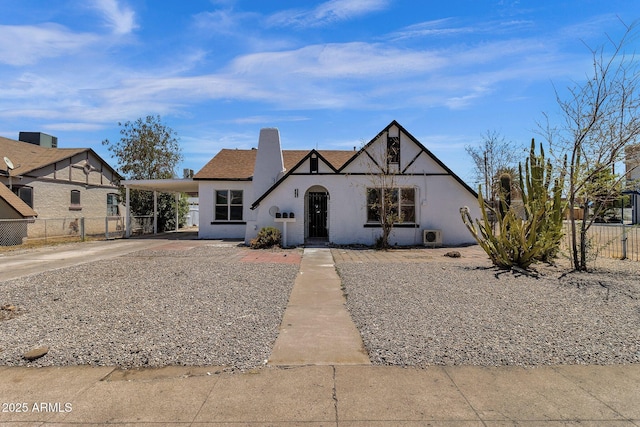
[398, 202]
[407, 205]
[112, 204]
[228, 205]
[374, 206]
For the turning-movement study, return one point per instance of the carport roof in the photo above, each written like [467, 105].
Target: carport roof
[186, 185]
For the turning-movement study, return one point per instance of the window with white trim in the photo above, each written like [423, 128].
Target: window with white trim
[403, 206]
[228, 205]
[112, 204]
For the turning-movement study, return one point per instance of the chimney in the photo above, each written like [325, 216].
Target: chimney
[269, 163]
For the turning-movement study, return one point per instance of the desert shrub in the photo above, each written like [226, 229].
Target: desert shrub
[520, 242]
[267, 237]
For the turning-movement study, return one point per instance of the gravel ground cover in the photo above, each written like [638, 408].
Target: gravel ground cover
[155, 308]
[467, 313]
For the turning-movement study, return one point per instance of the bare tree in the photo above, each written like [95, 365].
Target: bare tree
[491, 158]
[384, 198]
[600, 117]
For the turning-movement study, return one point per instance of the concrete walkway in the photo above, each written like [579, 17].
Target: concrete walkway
[316, 327]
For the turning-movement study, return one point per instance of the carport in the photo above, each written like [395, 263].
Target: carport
[176, 186]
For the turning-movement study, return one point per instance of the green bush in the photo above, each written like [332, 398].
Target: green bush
[267, 237]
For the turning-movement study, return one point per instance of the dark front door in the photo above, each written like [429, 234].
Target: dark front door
[317, 214]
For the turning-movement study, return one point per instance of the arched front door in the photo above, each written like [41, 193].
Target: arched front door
[316, 215]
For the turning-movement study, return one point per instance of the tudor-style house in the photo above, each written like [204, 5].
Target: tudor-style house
[332, 195]
[55, 182]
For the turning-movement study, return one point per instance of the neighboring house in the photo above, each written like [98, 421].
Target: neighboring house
[12, 208]
[632, 169]
[56, 182]
[332, 193]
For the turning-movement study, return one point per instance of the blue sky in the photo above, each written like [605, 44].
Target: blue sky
[329, 74]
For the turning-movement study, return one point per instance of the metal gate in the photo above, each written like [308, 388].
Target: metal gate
[317, 214]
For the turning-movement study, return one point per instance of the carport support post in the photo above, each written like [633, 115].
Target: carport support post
[155, 212]
[177, 209]
[127, 213]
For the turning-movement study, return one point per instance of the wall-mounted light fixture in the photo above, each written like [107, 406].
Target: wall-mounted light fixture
[295, 193]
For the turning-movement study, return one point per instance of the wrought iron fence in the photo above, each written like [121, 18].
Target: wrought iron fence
[609, 240]
[141, 224]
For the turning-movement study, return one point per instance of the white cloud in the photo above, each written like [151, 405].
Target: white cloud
[438, 27]
[447, 27]
[339, 60]
[120, 18]
[326, 13]
[251, 120]
[28, 44]
[81, 127]
[220, 21]
[351, 75]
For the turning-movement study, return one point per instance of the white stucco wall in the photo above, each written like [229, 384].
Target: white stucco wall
[208, 227]
[438, 200]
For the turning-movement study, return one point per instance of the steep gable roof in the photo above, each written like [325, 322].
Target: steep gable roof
[343, 157]
[417, 143]
[28, 157]
[352, 156]
[16, 202]
[238, 165]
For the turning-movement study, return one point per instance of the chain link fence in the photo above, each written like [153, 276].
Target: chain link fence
[18, 231]
[608, 240]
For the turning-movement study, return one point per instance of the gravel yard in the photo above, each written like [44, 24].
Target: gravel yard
[462, 312]
[222, 306]
[201, 306]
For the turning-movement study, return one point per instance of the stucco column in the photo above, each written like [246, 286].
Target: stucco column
[155, 212]
[127, 213]
[177, 209]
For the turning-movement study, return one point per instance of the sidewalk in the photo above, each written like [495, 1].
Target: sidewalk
[309, 381]
[323, 396]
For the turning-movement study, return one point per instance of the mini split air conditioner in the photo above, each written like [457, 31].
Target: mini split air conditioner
[432, 237]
